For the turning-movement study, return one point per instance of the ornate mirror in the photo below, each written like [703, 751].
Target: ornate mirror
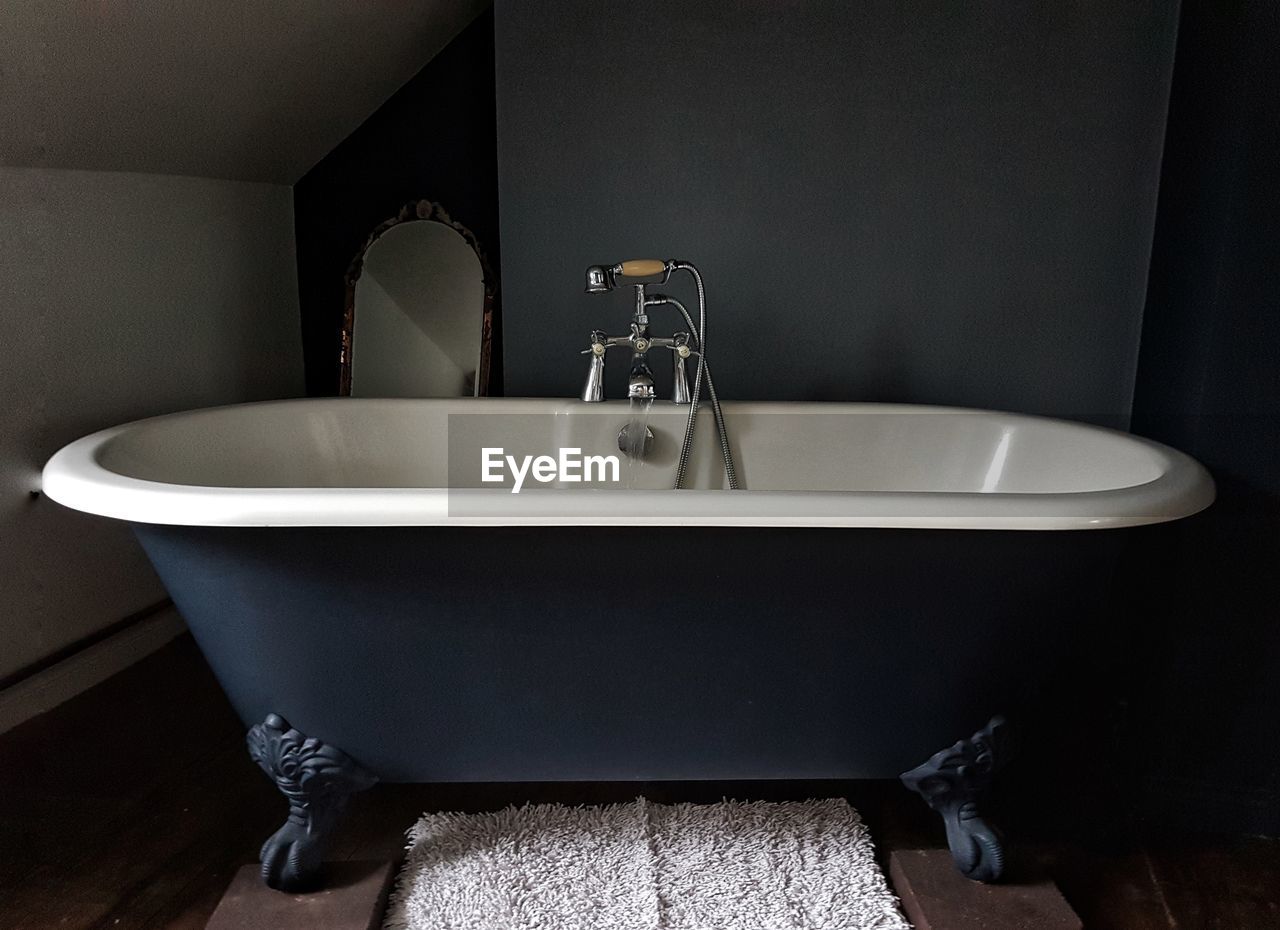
[420, 303]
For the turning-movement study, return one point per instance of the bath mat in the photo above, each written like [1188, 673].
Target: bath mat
[640, 866]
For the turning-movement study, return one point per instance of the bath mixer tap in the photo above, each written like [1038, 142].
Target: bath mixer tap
[640, 380]
[603, 278]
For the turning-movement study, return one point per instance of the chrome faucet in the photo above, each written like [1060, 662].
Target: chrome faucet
[600, 279]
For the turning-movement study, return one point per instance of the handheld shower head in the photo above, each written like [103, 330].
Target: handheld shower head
[599, 279]
[602, 278]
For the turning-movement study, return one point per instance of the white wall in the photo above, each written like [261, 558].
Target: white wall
[121, 296]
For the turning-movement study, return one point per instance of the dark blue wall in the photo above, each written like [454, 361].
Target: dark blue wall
[917, 201]
[1209, 383]
[433, 140]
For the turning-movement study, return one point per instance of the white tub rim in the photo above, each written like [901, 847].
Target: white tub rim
[75, 477]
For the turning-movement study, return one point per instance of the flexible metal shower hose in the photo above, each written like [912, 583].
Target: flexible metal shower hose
[700, 333]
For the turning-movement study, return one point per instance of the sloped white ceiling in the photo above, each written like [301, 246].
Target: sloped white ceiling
[256, 90]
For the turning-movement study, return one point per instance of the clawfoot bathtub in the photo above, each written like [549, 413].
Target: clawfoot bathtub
[891, 577]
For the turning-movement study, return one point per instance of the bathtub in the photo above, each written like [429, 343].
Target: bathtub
[889, 579]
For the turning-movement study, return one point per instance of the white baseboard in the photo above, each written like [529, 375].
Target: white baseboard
[47, 689]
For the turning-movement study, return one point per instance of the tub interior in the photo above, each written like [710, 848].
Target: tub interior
[356, 443]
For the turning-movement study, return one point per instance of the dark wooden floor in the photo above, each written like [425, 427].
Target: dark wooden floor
[132, 806]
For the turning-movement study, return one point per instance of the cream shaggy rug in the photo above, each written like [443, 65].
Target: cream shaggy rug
[643, 866]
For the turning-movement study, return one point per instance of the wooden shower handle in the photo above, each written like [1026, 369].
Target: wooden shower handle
[642, 267]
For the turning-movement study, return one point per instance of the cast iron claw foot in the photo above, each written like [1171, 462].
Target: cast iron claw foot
[316, 779]
[950, 783]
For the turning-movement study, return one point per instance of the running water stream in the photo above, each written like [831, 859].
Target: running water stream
[632, 441]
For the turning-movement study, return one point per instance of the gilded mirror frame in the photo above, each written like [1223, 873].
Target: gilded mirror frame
[418, 211]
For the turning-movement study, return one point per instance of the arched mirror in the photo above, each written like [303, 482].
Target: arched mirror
[420, 304]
